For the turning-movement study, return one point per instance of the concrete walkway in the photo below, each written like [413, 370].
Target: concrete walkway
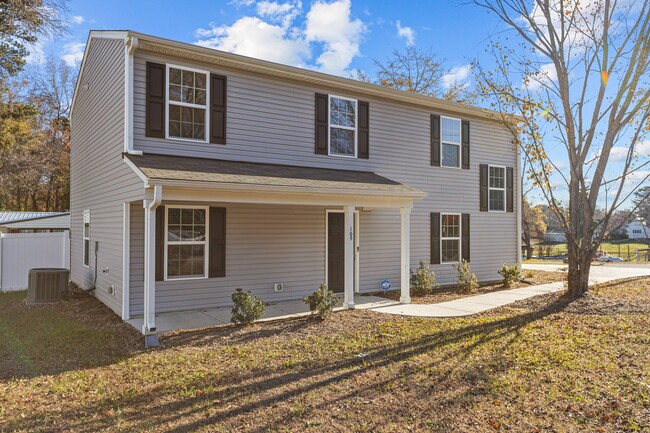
[477, 304]
[184, 320]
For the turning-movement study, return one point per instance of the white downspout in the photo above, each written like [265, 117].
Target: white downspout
[150, 206]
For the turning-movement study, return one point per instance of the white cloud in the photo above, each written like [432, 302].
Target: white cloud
[272, 36]
[250, 36]
[73, 53]
[457, 75]
[619, 153]
[546, 75]
[78, 19]
[331, 24]
[407, 33]
[643, 149]
[283, 13]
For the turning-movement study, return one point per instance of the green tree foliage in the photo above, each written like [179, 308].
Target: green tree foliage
[22, 22]
[642, 203]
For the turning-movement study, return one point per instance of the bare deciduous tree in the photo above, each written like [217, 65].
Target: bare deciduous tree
[586, 87]
[417, 71]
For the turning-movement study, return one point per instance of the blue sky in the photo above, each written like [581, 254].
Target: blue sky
[333, 36]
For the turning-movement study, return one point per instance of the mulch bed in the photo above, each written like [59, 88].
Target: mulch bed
[451, 293]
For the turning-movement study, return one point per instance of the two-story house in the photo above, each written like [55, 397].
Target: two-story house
[195, 172]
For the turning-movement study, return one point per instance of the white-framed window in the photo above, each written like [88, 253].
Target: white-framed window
[86, 238]
[186, 242]
[187, 103]
[450, 237]
[450, 141]
[497, 188]
[342, 130]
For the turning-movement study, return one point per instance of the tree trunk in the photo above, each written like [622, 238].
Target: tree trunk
[579, 267]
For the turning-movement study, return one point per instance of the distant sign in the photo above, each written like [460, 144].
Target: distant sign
[386, 285]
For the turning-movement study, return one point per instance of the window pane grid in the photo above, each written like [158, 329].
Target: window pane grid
[497, 188]
[186, 242]
[450, 237]
[450, 130]
[342, 124]
[187, 105]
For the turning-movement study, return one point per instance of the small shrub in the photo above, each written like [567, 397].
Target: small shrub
[322, 302]
[510, 274]
[530, 274]
[540, 250]
[423, 280]
[548, 250]
[467, 281]
[246, 308]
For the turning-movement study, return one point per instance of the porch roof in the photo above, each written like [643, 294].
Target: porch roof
[186, 171]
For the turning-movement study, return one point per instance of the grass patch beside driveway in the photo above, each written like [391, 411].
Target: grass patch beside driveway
[544, 364]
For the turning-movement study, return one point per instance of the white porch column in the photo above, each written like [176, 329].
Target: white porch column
[348, 279]
[405, 295]
[150, 206]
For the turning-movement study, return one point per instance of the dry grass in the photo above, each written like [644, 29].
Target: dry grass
[445, 294]
[548, 364]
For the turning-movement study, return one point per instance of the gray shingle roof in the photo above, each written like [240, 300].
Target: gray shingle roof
[165, 167]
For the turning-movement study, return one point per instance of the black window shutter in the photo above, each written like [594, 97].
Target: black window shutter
[435, 238]
[435, 140]
[465, 236]
[364, 130]
[217, 109]
[155, 116]
[465, 144]
[217, 229]
[160, 243]
[484, 187]
[510, 190]
[321, 124]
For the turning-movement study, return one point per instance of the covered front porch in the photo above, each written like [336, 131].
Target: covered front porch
[185, 320]
[193, 182]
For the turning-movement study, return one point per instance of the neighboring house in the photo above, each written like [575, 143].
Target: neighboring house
[637, 230]
[556, 236]
[34, 222]
[195, 172]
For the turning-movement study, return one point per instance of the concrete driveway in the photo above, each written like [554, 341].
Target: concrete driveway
[601, 273]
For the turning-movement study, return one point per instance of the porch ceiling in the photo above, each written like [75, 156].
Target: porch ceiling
[202, 173]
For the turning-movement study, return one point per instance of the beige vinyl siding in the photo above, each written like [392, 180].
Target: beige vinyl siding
[99, 179]
[264, 245]
[270, 120]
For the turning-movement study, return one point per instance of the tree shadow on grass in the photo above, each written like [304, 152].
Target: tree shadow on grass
[235, 396]
[76, 333]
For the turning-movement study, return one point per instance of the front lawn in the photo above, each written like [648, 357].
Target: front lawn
[548, 364]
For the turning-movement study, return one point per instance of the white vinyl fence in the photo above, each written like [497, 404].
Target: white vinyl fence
[20, 252]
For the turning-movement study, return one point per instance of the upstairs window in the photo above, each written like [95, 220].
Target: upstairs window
[497, 188]
[187, 103]
[450, 141]
[342, 126]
